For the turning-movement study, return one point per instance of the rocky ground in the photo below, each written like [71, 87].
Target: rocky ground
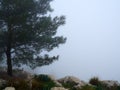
[27, 81]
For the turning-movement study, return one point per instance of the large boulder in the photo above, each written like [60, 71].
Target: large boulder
[110, 83]
[9, 88]
[58, 88]
[70, 79]
[71, 82]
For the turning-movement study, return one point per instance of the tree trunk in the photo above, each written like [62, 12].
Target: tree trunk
[8, 51]
[9, 63]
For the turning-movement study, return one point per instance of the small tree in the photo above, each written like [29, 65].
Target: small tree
[26, 30]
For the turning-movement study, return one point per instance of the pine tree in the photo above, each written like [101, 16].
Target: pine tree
[26, 30]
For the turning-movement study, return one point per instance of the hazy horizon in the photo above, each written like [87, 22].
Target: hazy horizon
[93, 40]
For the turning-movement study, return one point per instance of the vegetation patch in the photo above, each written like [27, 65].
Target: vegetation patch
[43, 82]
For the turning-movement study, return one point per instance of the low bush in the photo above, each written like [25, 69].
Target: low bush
[19, 84]
[42, 82]
[68, 85]
[95, 81]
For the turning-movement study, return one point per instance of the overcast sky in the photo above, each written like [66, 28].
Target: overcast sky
[93, 40]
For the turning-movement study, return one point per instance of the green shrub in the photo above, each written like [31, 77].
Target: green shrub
[37, 85]
[95, 81]
[43, 82]
[68, 85]
[42, 77]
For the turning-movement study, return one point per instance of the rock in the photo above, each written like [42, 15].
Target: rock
[9, 88]
[57, 83]
[58, 88]
[110, 83]
[79, 86]
[72, 81]
[54, 80]
[52, 77]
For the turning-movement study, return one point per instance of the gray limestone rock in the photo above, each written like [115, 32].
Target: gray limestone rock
[9, 88]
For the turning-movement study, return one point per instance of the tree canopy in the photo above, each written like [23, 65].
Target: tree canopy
[26, 30]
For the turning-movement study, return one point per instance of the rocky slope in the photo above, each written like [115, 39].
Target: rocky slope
[47, 82]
